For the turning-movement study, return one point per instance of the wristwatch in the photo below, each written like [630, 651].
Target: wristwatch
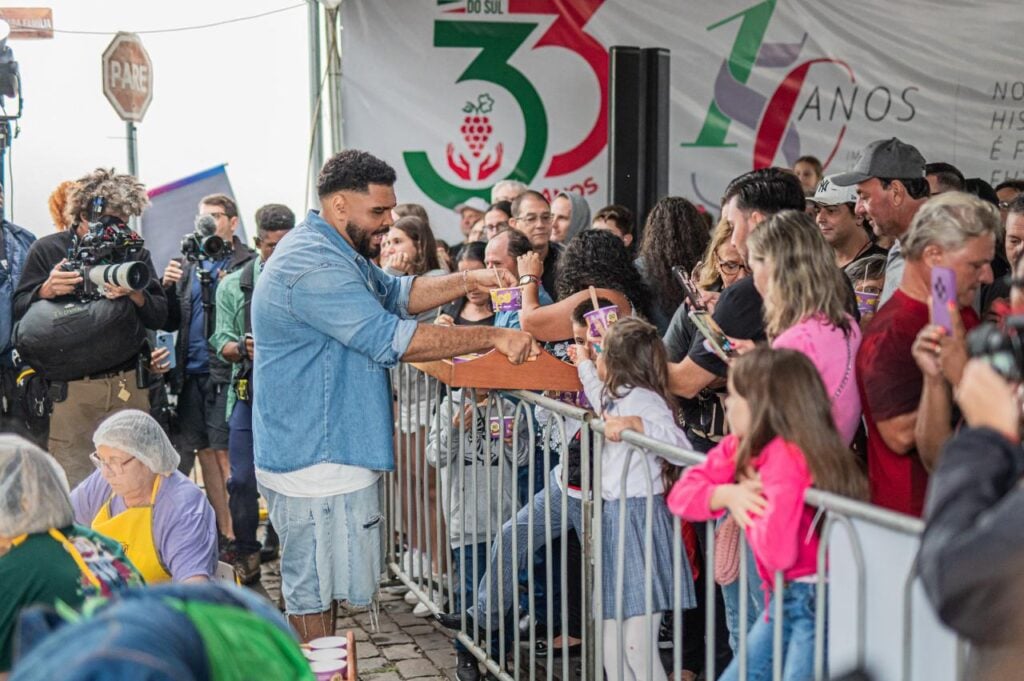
[528, 279]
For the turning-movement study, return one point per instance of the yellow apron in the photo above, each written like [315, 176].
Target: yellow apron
[59, 537]
[133, 529]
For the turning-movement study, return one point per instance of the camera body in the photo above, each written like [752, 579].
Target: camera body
[106, 254]
[1002, 349]
[203, 243]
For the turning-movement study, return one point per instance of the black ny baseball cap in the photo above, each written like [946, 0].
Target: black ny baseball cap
[889, 158]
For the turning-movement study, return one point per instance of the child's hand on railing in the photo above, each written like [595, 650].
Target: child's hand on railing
[614, 425]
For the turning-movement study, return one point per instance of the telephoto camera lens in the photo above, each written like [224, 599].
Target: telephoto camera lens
[133, 276]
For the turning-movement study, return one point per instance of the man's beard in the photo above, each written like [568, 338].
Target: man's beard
[363, 240]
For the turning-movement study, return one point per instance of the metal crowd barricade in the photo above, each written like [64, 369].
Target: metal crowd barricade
[866, 600]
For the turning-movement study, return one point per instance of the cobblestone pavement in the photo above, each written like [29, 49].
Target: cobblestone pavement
[403, 647]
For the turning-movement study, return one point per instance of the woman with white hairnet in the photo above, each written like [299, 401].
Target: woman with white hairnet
[44, 558]
[138, 497]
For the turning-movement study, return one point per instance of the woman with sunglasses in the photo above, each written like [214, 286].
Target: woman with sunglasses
[138, 497]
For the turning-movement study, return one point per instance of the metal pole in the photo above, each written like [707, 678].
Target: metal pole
[315, 103]
[334, 79]
[133, 152]
[5, 138]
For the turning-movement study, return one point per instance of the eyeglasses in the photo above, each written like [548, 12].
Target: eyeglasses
[115, 467]
[1003, 205]
[533, 218]
[729, 267]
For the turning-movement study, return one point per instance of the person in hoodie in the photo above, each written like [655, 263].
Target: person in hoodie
[571, 215]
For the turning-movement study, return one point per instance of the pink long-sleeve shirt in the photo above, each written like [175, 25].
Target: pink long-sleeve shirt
[781, 538]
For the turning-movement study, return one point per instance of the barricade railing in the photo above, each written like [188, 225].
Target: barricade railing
[482, 523]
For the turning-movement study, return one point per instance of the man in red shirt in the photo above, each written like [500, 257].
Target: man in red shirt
[909, 412]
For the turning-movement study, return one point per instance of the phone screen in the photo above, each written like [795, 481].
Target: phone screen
[693, 296]
[713, 334]
[943, 297]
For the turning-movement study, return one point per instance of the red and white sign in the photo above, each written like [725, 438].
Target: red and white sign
[128, 77]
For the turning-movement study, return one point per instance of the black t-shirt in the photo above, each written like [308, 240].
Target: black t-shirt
[551, 267]
[740, 313]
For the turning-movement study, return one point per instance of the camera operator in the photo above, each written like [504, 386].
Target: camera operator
[82, 401]
[972, 551]
[15, 417]
[200, 378]
[234, 342]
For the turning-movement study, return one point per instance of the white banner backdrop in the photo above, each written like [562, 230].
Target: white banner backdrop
[458, 94]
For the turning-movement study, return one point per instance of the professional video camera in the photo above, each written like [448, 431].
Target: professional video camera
[1002, 348]
[203, 243]
[105, 255]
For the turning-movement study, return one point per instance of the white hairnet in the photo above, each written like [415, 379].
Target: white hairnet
[34, 494]
[137, 433]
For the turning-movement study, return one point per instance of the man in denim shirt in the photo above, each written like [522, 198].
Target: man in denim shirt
[327, 324]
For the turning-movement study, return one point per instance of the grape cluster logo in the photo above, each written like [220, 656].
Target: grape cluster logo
[495, 33]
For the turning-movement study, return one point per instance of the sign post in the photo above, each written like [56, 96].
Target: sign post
[128, 86]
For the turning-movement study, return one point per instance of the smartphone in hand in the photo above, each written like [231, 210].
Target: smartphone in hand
[715, 338]
[165, 339]
[943, 297]
[693, 296]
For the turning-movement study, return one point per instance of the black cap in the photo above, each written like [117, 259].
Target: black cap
[890, 158]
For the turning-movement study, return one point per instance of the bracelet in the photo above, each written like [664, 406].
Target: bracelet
[465, 281]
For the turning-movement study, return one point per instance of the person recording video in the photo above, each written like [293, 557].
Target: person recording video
[82, 306]
[972, 551]
[199, 377]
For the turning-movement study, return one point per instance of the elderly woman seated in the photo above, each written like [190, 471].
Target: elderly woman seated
[44, 557]
[138, 497]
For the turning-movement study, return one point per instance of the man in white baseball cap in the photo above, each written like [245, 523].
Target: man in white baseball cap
[470, 210]
[843, 229]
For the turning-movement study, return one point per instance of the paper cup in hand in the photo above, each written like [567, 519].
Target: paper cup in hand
[507, 299]
[501, 427]
[600, 320]
[867, 303]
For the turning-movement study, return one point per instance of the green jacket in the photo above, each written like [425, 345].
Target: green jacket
[231, 319]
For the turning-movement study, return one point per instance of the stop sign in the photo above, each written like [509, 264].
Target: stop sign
[128, 77]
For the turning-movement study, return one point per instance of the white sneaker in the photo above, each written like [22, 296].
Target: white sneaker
[411, 563]
[411, 598]
[421, 610]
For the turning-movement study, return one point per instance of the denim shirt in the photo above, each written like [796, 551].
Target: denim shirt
[328, 324]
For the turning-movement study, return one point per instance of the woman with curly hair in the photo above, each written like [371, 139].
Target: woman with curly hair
[592, 258]
[675, 234]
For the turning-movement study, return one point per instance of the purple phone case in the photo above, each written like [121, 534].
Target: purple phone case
[943, 292]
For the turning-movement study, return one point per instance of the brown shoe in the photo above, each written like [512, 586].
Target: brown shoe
[247, 567]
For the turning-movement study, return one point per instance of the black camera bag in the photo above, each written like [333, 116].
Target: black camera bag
[66, 341]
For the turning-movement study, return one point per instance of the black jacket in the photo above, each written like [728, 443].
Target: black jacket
[179, 317]
[972, 551]
[50, 250]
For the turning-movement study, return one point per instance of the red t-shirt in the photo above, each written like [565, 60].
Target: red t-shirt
[890, 385]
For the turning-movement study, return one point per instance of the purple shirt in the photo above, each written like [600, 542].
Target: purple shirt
[184, 527]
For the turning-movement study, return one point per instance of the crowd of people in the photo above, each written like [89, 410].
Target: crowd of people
[845, 304]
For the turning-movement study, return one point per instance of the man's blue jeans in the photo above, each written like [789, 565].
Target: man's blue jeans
[798, 600]
[243, 495]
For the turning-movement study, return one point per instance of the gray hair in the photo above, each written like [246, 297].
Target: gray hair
[949, 221]
[514, 185]
[34, 494]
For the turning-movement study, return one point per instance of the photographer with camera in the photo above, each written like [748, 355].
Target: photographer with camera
[972, 552]
[200, 378]
[233, 342]
[82, 306]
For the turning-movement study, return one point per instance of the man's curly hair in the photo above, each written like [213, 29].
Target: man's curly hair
[598, 258]
[125, 195]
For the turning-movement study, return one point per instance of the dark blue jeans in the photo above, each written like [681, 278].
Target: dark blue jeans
[243, 496]
[476, 556]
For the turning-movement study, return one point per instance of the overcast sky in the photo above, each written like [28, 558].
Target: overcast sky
[235, 94]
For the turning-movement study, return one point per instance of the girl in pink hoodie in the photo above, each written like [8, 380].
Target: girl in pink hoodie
[783, 440]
